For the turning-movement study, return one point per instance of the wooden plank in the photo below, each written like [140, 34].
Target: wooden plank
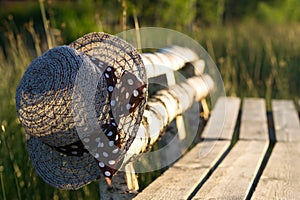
[184, 176]
[280, 179]
[223, 119]
[254, 120]
[286, 121]
[235, 175]
[180, 180]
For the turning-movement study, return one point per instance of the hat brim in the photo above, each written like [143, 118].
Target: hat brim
[59, 170]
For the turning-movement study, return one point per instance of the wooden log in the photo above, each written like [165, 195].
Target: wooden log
[162, 108]
[165, 62]
[170, 59]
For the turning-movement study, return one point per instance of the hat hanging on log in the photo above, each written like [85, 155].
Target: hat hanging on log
[81, 106]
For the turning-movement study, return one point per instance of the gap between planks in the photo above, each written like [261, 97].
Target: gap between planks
[182, 179]
[234, 177]
[280, 179]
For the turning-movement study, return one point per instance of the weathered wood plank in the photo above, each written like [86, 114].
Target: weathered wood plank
[280, 179]
[235, 175]
[286, 121]
[254, 120]
[181, 180]
[223, 119]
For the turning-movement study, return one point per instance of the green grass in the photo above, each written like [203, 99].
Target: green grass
[255, 60]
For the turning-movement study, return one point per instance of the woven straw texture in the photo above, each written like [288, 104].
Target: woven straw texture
[45, 105]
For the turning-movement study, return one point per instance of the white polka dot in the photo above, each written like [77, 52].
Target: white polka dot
[106, 75]
[108, 69]
[63, 149]
[122, 89]
[135, 93]
[86, 140]
[93, 58]
[115, 151]
[113, 103]
[113, 123]
[96, 155]
[107, 173]
[110, 133]
[74, 146]
[111, 143]
[128, 106]
[97, 139]
[111, 162]
[127, 95]
[110, 88]
[101, 164]
[100, 144]
[105, 154]
[74, 152]
[130, 81]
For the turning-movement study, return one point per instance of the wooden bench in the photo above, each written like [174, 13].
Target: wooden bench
[263, 162]
[243, 152]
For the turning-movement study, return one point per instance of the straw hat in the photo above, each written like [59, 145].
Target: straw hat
[81, 106]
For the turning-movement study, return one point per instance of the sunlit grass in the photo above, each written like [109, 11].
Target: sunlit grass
[256, 60]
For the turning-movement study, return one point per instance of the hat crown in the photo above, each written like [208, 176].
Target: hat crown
[43, 97]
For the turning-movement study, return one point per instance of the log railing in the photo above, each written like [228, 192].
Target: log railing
[163, 107]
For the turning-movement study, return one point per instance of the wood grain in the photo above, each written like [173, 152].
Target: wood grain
[286, 121]
[254, 120]
[233, 178]
[223, 119]
[280, 179]
[182, 179]
[235, 175]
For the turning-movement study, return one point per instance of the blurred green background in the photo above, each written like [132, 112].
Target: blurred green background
[255, 44]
